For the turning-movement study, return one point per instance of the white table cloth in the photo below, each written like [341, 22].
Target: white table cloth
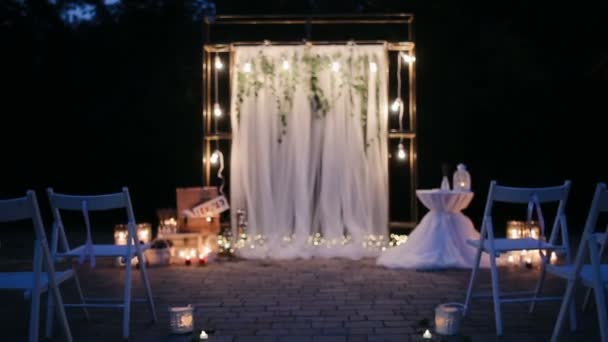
[439, 240]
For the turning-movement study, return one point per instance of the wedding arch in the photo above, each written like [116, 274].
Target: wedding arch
[309, 136]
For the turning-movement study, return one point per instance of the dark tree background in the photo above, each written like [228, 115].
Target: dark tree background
[514, 89]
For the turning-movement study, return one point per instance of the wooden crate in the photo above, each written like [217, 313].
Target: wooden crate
[187, 198]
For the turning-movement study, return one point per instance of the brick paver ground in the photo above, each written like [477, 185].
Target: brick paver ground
[302, 300]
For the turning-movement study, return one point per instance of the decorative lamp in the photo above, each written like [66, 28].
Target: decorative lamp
[120, 234]
[521, 230]
[144, 232]
[461, 180]
[447, 318]
[181, 319]
[401, 154]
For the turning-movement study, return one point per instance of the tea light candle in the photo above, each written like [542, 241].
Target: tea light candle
[427, 334]
[202, 259]
[553, 258]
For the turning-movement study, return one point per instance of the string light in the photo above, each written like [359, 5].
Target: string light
[396, 105]
[217, 110]
[215, 156]
[408, 58]
[373, 67]
[218, 63]
[285, 64]
[335, 66]
[401, 154]
[247, 67]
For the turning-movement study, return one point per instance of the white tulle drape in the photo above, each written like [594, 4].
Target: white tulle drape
[309, 154]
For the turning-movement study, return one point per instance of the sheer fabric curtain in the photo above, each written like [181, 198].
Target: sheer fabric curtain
[309, 152]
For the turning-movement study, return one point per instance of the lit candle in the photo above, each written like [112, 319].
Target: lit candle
[510, 259]
[427, 334]
[188, 260]
[203, 335]
[553, 258]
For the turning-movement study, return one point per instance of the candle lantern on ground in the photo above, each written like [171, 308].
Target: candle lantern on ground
[522, 230]
[121, 231]
[181, 319]
[447, 318]
[144, 232]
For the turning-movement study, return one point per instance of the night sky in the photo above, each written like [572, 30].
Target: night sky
[516, 90]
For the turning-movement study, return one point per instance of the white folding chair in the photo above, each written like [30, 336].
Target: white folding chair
[533, 198]
[592, 274]
[37, 282]
[133, 249]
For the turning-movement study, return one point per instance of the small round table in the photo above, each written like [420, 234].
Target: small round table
[440, 239]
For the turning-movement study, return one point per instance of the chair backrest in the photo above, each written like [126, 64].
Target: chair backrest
[530, 196]
[23, 208]
[599, 205]
[100, 202]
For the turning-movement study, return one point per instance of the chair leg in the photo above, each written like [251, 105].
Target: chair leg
[539, 284]
[127, 300]
[572, 311]
[472, 280]
[496, 294]
[598, 289]
[566, 301]
[34, 315]
[50, 314]
[587, 297]
[85, 311]
[144, 279]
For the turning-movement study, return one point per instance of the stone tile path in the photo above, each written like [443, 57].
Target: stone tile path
[306, 300]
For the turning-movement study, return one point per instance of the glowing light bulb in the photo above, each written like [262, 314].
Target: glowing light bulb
[214, 157]
[218, 63]
[373, 67]
[408, 58]
[217, 110]
[335, 66]
[247, 67]
[285, 64]
[401, 155]
[396, 105]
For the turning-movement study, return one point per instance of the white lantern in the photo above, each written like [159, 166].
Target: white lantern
[181, 319]
[461, 180]
[447, 318]
[144, 232]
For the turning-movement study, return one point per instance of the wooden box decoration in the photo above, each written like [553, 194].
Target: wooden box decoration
[188, 198]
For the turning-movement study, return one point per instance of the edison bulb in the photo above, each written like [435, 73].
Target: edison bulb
[285, 64]
[215, 156]
[396, 105]
[408, 58]
[217, 110]
[401, 155]
[218, 63]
